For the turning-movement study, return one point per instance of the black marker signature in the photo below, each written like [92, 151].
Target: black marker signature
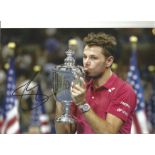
[39, 98]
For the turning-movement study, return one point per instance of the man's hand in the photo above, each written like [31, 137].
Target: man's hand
[78, 92]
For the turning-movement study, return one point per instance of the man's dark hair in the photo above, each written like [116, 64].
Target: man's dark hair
[106, 41]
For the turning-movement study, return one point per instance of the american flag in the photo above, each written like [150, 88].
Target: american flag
[38, 114]
[1, 119]
[150, 108]
[140, 124]
[10, 106]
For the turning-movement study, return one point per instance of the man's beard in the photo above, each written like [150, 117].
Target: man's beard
[94, 77]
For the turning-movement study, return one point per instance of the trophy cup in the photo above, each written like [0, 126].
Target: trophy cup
[62, 77]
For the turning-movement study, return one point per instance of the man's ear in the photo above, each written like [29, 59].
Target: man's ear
[109, 61]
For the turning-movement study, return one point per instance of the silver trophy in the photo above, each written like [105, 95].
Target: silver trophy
[62, 77]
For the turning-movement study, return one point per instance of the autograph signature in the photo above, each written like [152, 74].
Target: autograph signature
[39, 98]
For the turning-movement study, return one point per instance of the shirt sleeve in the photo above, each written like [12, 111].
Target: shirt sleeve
[123, 104]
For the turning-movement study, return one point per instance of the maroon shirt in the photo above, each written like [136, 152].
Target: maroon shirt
[115, 97]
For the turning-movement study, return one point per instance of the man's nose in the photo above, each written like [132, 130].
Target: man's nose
[87, 62]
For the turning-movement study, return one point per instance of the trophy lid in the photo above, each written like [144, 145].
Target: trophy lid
[69, 60]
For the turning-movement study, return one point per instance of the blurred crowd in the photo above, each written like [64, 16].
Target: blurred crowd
[37, 51]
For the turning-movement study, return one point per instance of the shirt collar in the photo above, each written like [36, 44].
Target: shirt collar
[109, 84]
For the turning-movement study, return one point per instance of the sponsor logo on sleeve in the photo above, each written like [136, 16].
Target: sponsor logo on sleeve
[122, 111]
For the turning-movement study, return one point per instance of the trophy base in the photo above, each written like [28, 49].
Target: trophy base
[65, 119]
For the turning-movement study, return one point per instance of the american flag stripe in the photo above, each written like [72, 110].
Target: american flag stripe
[45, 126]
[135, 125]
[45, 129]
[13, 126]
[140, 124]
[44, 122]
[141, 115]
[1, 122]
[13, 112]
[11, 123]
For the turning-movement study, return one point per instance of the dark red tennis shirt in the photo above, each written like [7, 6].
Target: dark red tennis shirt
[115, 97]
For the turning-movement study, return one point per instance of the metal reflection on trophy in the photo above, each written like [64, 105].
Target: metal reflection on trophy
[62, 77]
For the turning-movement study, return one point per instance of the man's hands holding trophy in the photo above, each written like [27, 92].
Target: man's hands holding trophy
[78, 91]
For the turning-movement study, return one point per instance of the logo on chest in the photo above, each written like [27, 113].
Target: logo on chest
[111, 89]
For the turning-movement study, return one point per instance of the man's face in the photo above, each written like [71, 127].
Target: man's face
[94, 61]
